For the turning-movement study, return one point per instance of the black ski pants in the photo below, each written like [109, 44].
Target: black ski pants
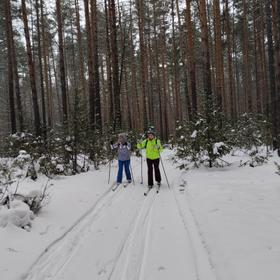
[153, 164]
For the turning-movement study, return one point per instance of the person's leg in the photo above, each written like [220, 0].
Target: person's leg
[150, 172]
[120, 171]
[127, 170]
[157, 171]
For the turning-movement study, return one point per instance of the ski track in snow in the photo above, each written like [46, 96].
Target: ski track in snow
[56, 256]
[129, 261]
[205, 269]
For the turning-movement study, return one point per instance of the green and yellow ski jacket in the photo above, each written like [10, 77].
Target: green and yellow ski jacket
[153, 148]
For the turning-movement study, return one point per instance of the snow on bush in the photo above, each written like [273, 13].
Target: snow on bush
[278, 168]
[218, 148]
[17, 214]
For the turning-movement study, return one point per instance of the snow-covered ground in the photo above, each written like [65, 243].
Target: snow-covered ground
[221, 224]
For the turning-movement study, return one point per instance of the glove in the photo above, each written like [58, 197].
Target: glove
[125, 144]
[137, 153]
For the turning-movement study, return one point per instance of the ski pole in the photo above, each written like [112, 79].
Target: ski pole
[109, 171]
[164, 171]
[131, 173]
[110, 162]
[141, 167]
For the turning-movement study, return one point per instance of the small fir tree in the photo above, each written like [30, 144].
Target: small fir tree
[203, 139]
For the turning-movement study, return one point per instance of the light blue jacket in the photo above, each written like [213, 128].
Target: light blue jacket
[124, 151]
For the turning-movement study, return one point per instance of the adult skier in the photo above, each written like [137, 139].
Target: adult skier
[153, 149]
[124, 152]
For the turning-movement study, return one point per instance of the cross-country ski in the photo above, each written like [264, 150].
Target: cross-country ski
[147, 191]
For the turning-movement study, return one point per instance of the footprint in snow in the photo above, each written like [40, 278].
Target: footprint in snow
[12, 250]
[102, 271]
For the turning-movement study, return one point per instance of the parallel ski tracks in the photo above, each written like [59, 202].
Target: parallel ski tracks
[130, 259]
[204, 266]
[60, 251]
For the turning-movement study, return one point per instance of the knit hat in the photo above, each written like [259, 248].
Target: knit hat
[150, 132]
[122, 136]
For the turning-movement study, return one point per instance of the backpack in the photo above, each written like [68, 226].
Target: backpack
[146, 142]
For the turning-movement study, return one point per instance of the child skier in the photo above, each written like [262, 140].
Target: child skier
[123, 158]
[153, 149]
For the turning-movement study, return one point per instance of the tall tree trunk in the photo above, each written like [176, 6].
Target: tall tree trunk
[31, 66]
[90, 67]
[205, 49]
[16, 76]
[111, 109]
[62, 64]
[115, 65]
[37, 8]
[158, 78]
[98, 118]
[17, 88]
[141, 25]
[59, 106]
[9, 36]
[176, 80]
[183, 60]
[272, 76]
[190, 57]
[246, 60]
[134, 91]
[150, 97]
[47, 79]
[239, 107]
[220, 82]
[264, 62]
[80, 50]
[231, 79]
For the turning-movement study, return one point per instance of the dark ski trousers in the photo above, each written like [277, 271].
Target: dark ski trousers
[153, 164]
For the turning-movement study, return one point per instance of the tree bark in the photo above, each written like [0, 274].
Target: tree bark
[205, 49]
[220, 82]
[90, 67]
[141, 24]
[246, 61]
[80, 50]
[231, 79]
[98, 117]
[115, 65]
[190, 58]
[62, 64]
[31, 67]
[9, 35]
[43, 106]
[47, 79]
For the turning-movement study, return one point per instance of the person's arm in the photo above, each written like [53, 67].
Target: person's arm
[141, 145]
[114, 145]
[127, 145]
[159, 146]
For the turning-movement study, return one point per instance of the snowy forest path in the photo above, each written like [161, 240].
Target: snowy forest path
[127, 236]
[60, 251]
